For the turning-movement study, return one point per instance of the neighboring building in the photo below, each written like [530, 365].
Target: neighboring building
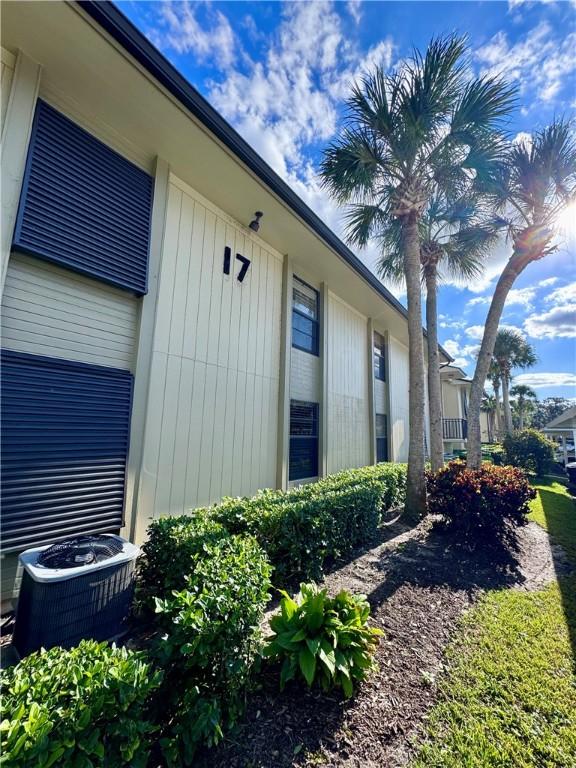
[562, 430]
[455, 394]
[157, 353]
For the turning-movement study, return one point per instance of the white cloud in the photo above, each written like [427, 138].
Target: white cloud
[523, 138]
[353, 7]
[211, 39]
[563, 295]
[493, 265]
[559, 322]
[477, 331]
[549, 280]
[541, 380]
[541, 63]
[444, 321]
[463, 354]
[522, 296]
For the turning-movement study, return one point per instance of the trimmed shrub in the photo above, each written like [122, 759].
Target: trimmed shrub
[530, 450]
[170, 553]
[322, 639]
[209, 642]
[303, 528]
[82, 707]
[481, 508]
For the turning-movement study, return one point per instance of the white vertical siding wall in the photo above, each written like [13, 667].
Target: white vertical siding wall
[399, 385]
[347, 409]
[451, 400]
[8, 62]
[51, 311]
[211, 425]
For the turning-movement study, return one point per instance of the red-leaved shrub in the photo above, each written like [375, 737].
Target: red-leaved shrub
[482, 507]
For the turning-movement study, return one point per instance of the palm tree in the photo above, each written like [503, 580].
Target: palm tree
[495, 378]
[408, 133]
[537, 183]
[489, 407]
[455, 236]
[511, 350]
[524, 398]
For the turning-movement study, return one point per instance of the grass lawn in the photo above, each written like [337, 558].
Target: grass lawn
[508, 699]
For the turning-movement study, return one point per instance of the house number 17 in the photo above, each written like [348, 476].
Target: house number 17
[242, 259]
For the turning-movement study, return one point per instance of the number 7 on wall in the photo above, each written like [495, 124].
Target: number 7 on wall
[244, 261]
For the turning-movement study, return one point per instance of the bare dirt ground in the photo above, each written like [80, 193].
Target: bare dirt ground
[418, 587]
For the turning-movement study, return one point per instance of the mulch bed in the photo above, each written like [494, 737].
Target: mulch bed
[418, 587]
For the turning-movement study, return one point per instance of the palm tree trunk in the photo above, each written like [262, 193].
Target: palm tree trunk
[513, 268]
[520, 417]
[506, 401]
[434, 384]
[416, 484]
[498, 413]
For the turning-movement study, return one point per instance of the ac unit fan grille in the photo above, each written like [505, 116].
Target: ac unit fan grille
[80, 550]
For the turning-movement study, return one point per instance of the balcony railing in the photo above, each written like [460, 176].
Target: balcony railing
[455, 429]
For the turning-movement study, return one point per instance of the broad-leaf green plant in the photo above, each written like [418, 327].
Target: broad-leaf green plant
[323, 640]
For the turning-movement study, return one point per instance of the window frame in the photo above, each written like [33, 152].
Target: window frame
[315, 322]
[313, 439]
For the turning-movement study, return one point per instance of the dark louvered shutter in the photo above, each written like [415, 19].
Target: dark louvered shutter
[65, 432]
[84, 206]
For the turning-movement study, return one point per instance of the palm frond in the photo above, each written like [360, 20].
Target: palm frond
[351, 165]
[484, 102]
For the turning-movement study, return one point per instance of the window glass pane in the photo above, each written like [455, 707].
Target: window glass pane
[381, 449]
[303, 459]
[379, 357]
[305, 299]
[304, 333]
[381, 425]
[303, 341]
[303, 418]
[381, 437]
[301, 323]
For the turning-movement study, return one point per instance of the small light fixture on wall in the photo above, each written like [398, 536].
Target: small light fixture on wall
[255, 223]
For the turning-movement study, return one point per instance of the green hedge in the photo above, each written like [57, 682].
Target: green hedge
[209, 638]
[303, 528]
[170, 552]
[300, 530]
[83, 707]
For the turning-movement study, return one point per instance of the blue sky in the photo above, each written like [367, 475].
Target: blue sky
[279, 73]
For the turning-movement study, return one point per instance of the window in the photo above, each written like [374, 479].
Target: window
[381, 437]
[303, 462]
[305, 313]
[379, 357]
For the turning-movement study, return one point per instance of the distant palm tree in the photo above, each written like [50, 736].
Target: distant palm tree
[537, 184]
[495, 378]
[455, 237]
[524, 398]
[511, 350]
[425, 126]
[489, 407]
